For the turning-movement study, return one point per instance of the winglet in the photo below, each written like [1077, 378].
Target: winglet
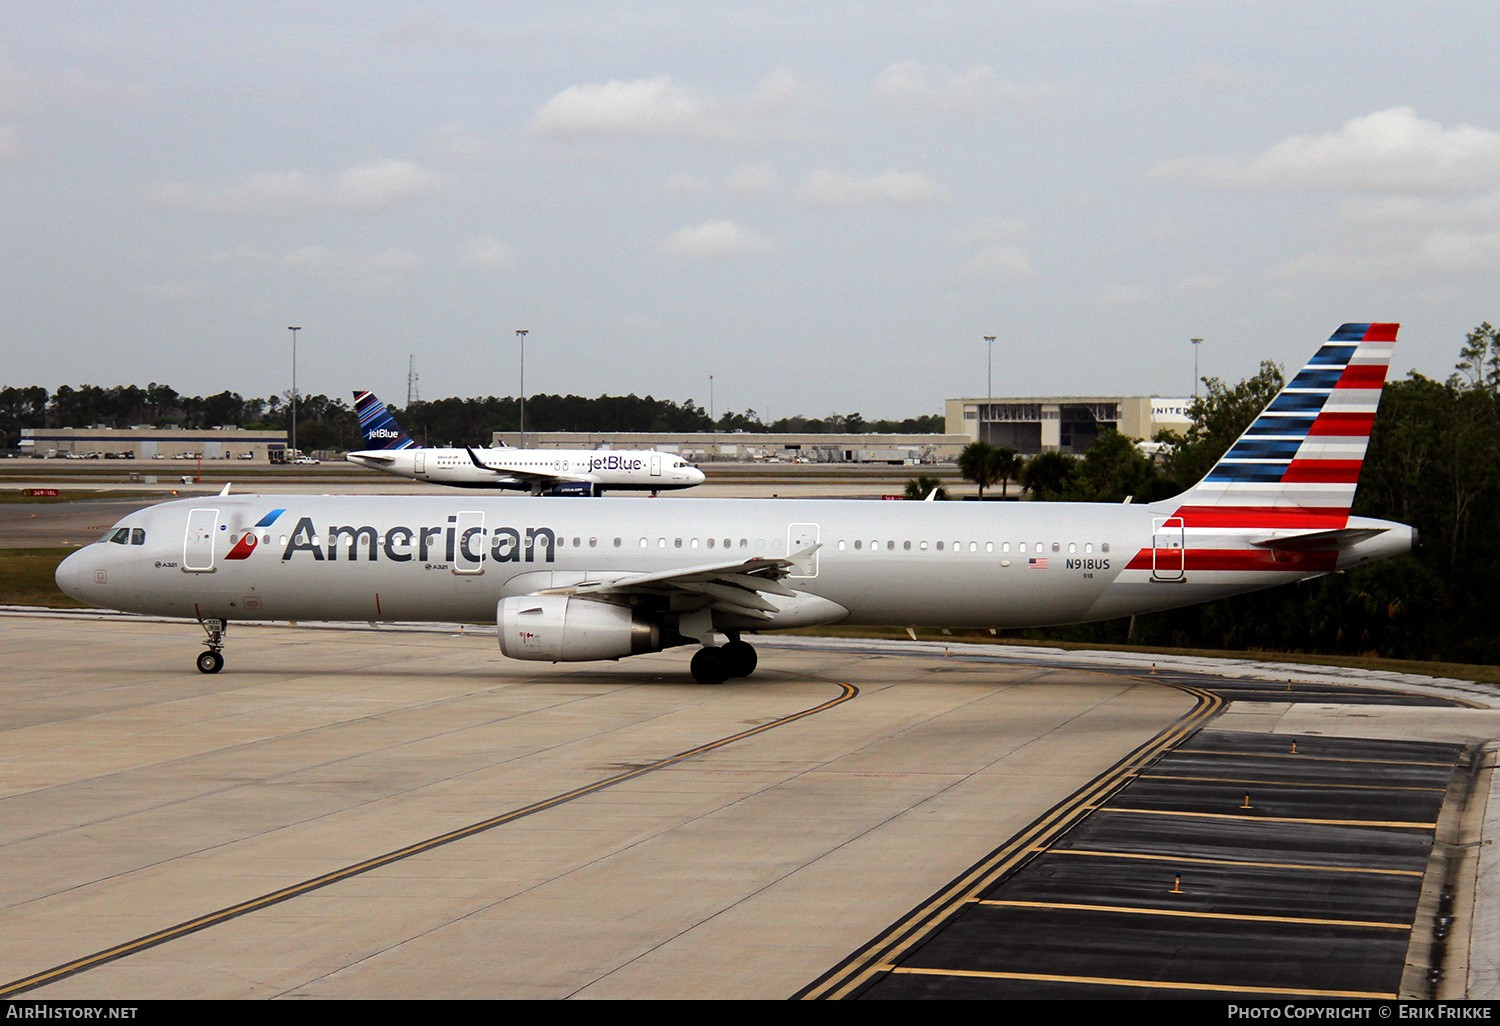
[225, 489]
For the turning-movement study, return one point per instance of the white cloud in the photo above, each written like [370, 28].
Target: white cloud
[375, 186]
[1115, 294]
[351, 267]
[26, 88]
[12, 148]
[1000, 263]
[993, 231]
[490, 253]
[1387, 151]
[1401, 238]
[938, 87]
[1208, 77]
[686, 183]
[714, 239]
[658, 108]
[888, 187]
[752, 178]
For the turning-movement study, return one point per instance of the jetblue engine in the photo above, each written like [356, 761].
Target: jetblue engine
[561, 629]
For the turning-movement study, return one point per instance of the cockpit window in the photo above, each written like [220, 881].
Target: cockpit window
[121, 536]
[137, 536]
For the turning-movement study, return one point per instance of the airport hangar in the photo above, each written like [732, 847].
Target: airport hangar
[1031, 425]
[147, 443]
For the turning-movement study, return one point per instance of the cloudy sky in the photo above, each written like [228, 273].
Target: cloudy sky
[824, 206]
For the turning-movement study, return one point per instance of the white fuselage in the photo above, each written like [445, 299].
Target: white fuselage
[531, 469]
[442, 558]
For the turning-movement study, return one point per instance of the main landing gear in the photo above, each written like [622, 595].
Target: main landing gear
[211, 660]
[715, 665]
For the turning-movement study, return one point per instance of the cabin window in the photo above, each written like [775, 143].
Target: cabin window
[710, 543]
[1088, 547]
[578, 543]
[858, 544]
[744, 542]
[643, 543]
[1056, 547]
[906, 545]
[1005, 546]
[1072, 547]
[593, 543]
[890, 546]
[958, 546]
[677, 543]
[874, 545]
[841, 545]
[661, 543]
[922, 546]
[693, 544]
[973, 546]
[1104, 547]
[1021, 547]
[940, 546]
[989, 546]
[726, 543]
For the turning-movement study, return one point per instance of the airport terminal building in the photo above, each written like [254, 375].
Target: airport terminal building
[146, 443]
[1063, 423]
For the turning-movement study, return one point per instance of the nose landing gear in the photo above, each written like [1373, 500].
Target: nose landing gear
[212, 659]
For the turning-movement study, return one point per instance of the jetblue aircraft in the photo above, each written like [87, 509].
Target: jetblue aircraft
[539, 471]
[614, 578]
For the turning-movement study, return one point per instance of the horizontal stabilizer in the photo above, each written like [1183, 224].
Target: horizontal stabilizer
[1321, 539]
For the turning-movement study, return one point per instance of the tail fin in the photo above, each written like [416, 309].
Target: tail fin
[378, 426]
[1299, 463]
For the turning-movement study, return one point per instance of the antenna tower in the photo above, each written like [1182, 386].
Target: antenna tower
[411, 380]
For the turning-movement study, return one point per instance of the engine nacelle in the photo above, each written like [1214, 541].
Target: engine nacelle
[563, 629]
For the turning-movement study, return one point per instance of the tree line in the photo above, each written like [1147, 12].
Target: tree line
[1433, 462]
[330, 423]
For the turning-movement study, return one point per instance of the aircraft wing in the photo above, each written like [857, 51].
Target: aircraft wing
[510, 475]
[729, 587]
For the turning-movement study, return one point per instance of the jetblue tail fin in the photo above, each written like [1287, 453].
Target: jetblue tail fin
[1300, 460]
[378, 426]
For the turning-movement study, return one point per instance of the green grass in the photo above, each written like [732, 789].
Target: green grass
[26, 578]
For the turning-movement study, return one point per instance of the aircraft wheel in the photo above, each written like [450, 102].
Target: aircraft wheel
[708, 666]
[210, 661]
[739, 658]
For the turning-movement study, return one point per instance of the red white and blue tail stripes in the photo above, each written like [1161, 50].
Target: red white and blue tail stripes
[1298, 464]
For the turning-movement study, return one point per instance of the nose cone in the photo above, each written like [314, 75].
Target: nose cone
[72, 574]
[695, 475]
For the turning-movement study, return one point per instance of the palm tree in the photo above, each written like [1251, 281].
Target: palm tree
[978, 463]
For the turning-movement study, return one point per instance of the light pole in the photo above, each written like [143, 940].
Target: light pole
[1196, 343]
[294, 329]
[521, 334]
[711, 403]
[989, 382]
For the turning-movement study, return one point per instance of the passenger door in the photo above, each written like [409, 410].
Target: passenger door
[198, 545]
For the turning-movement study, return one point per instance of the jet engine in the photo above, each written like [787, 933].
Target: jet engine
[563, 629]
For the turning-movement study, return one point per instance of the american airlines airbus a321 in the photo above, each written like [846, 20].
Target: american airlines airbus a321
[538, 471]
[614, 577]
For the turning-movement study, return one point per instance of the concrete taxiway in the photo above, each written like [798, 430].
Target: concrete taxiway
[400, 813]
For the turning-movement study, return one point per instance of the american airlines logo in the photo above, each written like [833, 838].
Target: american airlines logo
[402, 544]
